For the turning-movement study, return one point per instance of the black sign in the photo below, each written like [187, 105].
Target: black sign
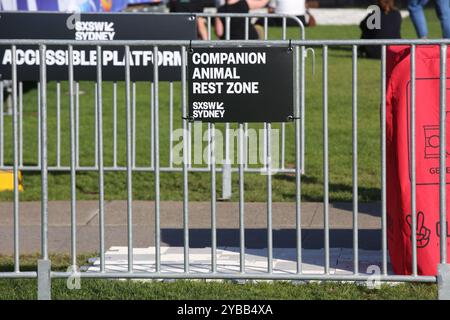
[241, 84]
[94, 27]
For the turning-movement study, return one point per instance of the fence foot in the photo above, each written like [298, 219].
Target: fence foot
[44, 280]
[444, 281]
[226, 181]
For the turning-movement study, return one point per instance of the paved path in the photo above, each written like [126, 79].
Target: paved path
[199, 222]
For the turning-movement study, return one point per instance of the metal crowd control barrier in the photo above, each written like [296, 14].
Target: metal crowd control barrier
[226, 168]
[44, 273]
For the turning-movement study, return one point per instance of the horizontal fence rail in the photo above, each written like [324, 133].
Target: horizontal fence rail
[129, 163]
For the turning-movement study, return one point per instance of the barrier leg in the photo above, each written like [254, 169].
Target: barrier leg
[444, 281]
[44, 280]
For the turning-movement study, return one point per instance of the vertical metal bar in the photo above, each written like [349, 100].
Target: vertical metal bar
[20, 123]
[209, 145]
[156, 166]
[283, 125]
[73, 187]
[170, 124]
[58, 124]
[212, 148]
[152, 127]
[246, 147]
[2, 125]
[265, 144]
[247, 24]
[325, 162]
[383, 161]
[133, 125]
[77, 123]
[303, 111]
[227, 27]
[209, 27]
[241, 199]
[38, 125]
[266, 28]
[185, 160]
[442, 155]
[115, 124]
[226, 166]
[96, 125]
[190, 144]
[129, 160]
[266, 136]
[355, 157]
[283, 145]
[299, 92]
[100, 159]
[269, 200]
[16, 162]
[245, 141]
[44, 164]
[413, 161]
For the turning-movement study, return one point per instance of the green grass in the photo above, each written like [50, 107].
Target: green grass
[200, 290]
[185, 290]
[199, 183]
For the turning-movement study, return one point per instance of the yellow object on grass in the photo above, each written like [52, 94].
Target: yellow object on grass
[7, 181]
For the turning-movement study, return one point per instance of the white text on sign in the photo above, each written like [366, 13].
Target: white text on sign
[211, 80]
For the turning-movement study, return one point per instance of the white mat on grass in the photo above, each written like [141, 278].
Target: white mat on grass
[284, 260]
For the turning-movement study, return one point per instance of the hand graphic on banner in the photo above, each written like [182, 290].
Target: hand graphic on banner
[422, 232]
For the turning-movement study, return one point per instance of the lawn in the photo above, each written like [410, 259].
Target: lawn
[199, 183]
[197, 290]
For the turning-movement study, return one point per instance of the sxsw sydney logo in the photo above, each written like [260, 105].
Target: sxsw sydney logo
[90, 30]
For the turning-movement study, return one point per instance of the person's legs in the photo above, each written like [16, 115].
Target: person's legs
[443, 12]
[415, 8]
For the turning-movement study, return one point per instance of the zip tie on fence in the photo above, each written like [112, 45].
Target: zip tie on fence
[191, 50]
[292, 118]
[290, 49]
[189, 119]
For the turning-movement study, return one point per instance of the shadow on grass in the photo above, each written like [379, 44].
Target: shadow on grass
[28, 262]
[364, 194]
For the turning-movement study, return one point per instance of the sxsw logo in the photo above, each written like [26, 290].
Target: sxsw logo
[94, 30]
[90, 30]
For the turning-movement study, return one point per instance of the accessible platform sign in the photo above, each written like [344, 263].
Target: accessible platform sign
[251, 84]
[94, 27]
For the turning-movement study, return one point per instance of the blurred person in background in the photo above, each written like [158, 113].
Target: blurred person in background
[288, 7]
[389, 28]
[415, 8]
[237, 25]
[283, 7]
[193, 6]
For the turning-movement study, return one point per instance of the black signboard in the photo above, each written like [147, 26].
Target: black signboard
[94, 27]
[241, 84]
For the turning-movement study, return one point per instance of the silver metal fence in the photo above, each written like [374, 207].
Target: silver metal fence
[225, 168]
[44, 274]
